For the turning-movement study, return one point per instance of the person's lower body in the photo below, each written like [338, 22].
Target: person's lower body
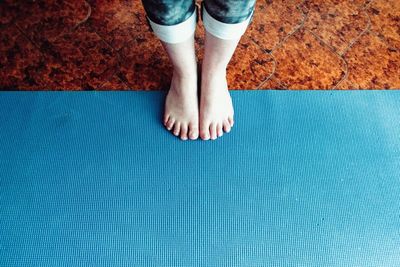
[174, 23]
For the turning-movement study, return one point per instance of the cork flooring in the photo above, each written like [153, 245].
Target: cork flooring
[290, 44]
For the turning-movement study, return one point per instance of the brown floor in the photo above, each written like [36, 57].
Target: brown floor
[291, 44]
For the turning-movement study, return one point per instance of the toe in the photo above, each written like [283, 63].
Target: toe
[231, 122]
[193, 131]
[213, 131]
[170, 123]
[205, 131]
[177, 128]
[219, 130]
[205, 135]
[184, 130]
[165, 120]
[227, 126]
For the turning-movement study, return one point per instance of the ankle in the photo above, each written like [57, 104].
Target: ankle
[210, 75]
[184, 82]
[208, 72]
[186, 72]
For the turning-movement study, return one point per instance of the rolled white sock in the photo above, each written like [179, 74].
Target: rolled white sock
[222, 30]
[175, 33]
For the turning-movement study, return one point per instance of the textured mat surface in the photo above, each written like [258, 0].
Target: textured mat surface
[304, 179]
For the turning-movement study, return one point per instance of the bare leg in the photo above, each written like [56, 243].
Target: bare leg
[181, 104]
[216, 109]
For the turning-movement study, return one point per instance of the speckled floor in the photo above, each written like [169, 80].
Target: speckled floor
[291, 44]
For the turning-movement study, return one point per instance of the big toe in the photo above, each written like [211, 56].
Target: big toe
[193, 131]
[205, 131]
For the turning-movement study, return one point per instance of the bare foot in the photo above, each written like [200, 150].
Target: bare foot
[181, 106]
[216, 109]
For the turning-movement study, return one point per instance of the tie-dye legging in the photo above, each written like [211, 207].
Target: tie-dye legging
[171, 12]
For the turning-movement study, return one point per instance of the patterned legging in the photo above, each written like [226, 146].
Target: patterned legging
[171, 12]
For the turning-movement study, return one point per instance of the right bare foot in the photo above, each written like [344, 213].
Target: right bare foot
[181, 115]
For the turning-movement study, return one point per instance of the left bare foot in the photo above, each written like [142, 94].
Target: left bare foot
[216, 109]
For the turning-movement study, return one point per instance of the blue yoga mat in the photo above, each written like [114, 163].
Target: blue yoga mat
[309, 178]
